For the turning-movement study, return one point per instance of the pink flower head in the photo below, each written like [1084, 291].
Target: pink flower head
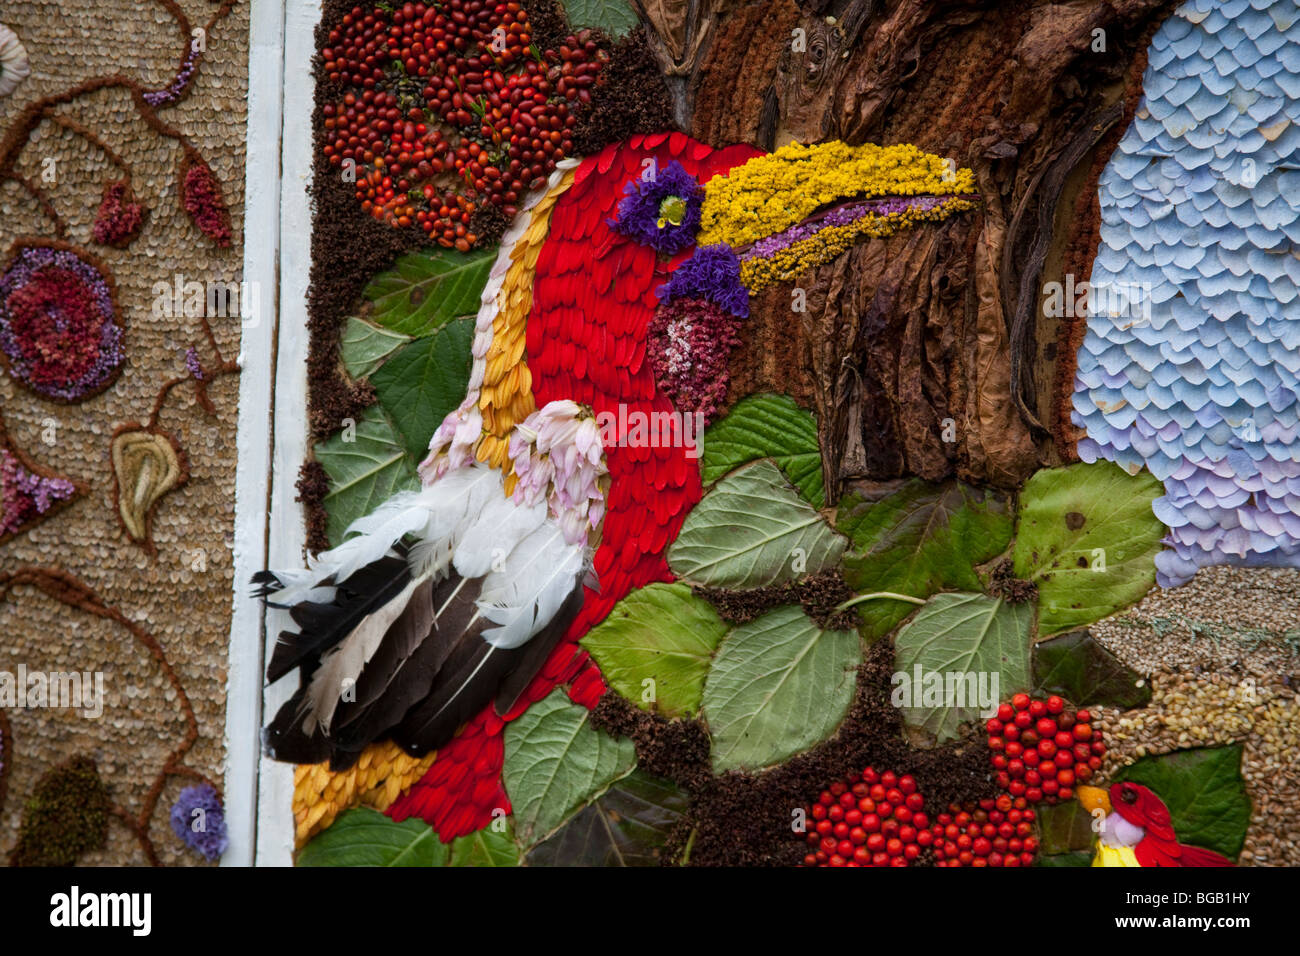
[557, 454]
[454, 443]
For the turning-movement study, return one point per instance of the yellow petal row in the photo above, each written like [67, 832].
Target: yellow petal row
[506, 397]
[773, 192]
[378, 778]
[757, 274]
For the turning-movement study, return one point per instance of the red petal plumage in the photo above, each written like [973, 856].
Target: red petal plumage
[593, 298]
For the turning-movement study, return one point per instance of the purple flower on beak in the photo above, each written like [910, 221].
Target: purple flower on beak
[661, 208]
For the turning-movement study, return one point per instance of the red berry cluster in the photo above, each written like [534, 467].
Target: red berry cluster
[451, 107]
[870, 819]
[995, 833]
[1041, 750]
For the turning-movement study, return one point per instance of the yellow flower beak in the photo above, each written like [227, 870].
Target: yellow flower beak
[1090, 798]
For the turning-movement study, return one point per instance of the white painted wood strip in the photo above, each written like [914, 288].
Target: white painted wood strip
[287, 534]
[256, 387]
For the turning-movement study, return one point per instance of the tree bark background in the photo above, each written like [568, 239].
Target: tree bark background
[936, 333]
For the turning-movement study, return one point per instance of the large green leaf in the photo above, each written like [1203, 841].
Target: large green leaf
[1065, 828]
[767, 426]
[778, 685]
[1088, 538]
[919, 539]
[425, 381]
[425, 290]
[486, 847]
[366, 465]
[1072, 858]
[1204, 792]
[615, 17]
[365, 347]
[556, 762]
[365, 837]
[626, 826]
[660, 633]
[972, 635]
[1078, 668]
[752, 530]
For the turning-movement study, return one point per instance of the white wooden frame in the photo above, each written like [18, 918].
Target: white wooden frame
[269, 528]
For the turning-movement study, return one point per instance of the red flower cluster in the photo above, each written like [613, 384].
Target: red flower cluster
[120, 217]
[995, 833]
[58, 328]
[448, 110]
[1040, 749]
[201, 196]
[870, 819]
[690, 343]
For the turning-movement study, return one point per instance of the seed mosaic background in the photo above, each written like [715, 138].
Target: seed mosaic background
[123, 152]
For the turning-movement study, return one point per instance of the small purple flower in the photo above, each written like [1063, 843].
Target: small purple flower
[200, 821]
[712, 274]
[172, 92]
[193, 365]
[661, 208]
[24, 496]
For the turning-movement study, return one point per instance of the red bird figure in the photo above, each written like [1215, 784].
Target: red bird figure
[593, 300]
[447, 612]
[1137, 830]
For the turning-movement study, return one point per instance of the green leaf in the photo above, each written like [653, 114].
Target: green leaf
[556, 762]
[615, 17]
[1064, 828]
[1073, 858]
[919, 539]
[1088, 538]
[364, 472]
[425, 381]
[365, 837]
[486, 847]
[365, 347]
[752, 530]
[1078, 668]
[662, 633]
[626, 826]
[767, 426]
[1204, 792]
[425, 290]
[968, 634]
[778, 685]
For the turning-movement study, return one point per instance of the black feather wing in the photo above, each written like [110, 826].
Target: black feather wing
[322, 626]
[399, 677]
[475, 675]
[431, 673]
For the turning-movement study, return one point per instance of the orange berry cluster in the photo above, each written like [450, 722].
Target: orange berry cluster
[449, 106]
[991, 833]
[870, 819]
[1041, 749]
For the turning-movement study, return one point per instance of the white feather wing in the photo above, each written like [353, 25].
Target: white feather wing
[523, 596]
[494, 535]
[437, 515]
